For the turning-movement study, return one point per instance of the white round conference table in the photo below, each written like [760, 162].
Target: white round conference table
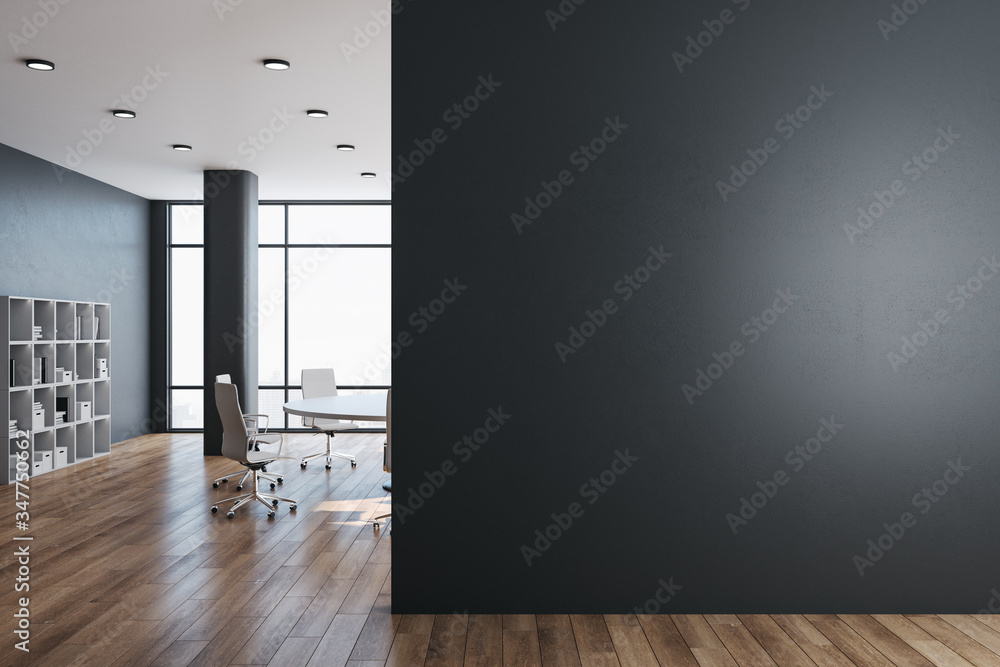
[352, 407]
[358, 407]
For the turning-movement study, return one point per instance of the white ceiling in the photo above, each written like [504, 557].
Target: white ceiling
[215, 94]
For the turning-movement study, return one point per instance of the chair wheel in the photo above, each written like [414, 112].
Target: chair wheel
[280, 480]
[239, 487]
[302, 465]
[225, 480]
[214, 509]
[293, 508]
[270, 515]
[215, 485]
[328, 466]
[274, 502]
[263, 468]
[231, 514]
[354, 464]
[273, 485]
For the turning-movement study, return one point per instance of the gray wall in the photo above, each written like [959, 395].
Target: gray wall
[67, 236]
[465, 516]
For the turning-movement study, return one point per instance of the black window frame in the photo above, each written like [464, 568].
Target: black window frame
[286, 246]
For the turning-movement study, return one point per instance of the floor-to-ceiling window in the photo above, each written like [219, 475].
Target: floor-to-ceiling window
[324, 298]
[323, 302]
[187, 328]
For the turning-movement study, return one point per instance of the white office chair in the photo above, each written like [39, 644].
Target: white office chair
[386, 459]
[239, 445]
[319, 383]
[253, 427]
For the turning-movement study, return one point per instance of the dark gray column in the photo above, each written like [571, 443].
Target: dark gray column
[230, 292]
[158, 316]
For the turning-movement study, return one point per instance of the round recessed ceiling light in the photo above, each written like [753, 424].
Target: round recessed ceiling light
[345, 147]
[272, 63]
[368, 174]
[40, 65]
[316, 113]
[181, 147]
[122, 113]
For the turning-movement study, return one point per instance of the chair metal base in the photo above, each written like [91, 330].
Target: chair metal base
[329, 454]
[375, 522]
[246, 473]
[375, 525]
[268, 500]
[243, 479]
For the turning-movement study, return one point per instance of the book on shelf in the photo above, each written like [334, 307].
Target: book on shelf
[36, 332]
[13, 372]
[60, 417]
[13, 428]
[40, 368]
[97, 328]
[62, 405]
[79, 327]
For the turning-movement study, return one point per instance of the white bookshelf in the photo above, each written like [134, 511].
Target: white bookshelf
[69, 335]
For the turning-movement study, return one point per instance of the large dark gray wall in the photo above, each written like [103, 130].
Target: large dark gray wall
[813, 472]
[67, 236]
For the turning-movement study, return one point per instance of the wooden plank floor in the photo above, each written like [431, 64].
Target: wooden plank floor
[128, 567]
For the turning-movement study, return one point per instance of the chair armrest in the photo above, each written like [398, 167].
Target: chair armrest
[253, 419]
[268, 439]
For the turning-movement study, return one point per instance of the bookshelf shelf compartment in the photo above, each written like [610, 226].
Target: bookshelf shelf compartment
[59, 390]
